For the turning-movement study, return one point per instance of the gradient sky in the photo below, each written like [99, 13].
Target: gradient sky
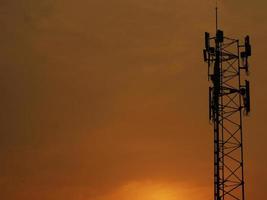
[105, 100]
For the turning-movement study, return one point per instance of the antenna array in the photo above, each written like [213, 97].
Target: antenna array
[229, 101]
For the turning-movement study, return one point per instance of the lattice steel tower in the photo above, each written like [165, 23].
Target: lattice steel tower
[229, 101]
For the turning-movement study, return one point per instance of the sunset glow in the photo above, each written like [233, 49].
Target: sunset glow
[149, 190]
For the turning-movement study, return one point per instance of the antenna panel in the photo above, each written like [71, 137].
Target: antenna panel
[247, 97]
[219, 36]
[207, 40]
[247, 46]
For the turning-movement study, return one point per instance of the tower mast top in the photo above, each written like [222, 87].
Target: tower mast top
[216, 10]
[217, 15]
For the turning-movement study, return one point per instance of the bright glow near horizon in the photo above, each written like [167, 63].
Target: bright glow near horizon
[148, 190]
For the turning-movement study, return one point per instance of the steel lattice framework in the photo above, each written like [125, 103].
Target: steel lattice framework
[229, 100]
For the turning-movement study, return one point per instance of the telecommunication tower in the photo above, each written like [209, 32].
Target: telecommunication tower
[229, 101]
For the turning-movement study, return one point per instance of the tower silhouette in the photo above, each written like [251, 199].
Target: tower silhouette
[229, 101]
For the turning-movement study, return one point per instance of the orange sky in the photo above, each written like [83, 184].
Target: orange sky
[105, 100]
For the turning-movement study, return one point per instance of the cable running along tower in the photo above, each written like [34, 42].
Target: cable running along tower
[229, 101]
